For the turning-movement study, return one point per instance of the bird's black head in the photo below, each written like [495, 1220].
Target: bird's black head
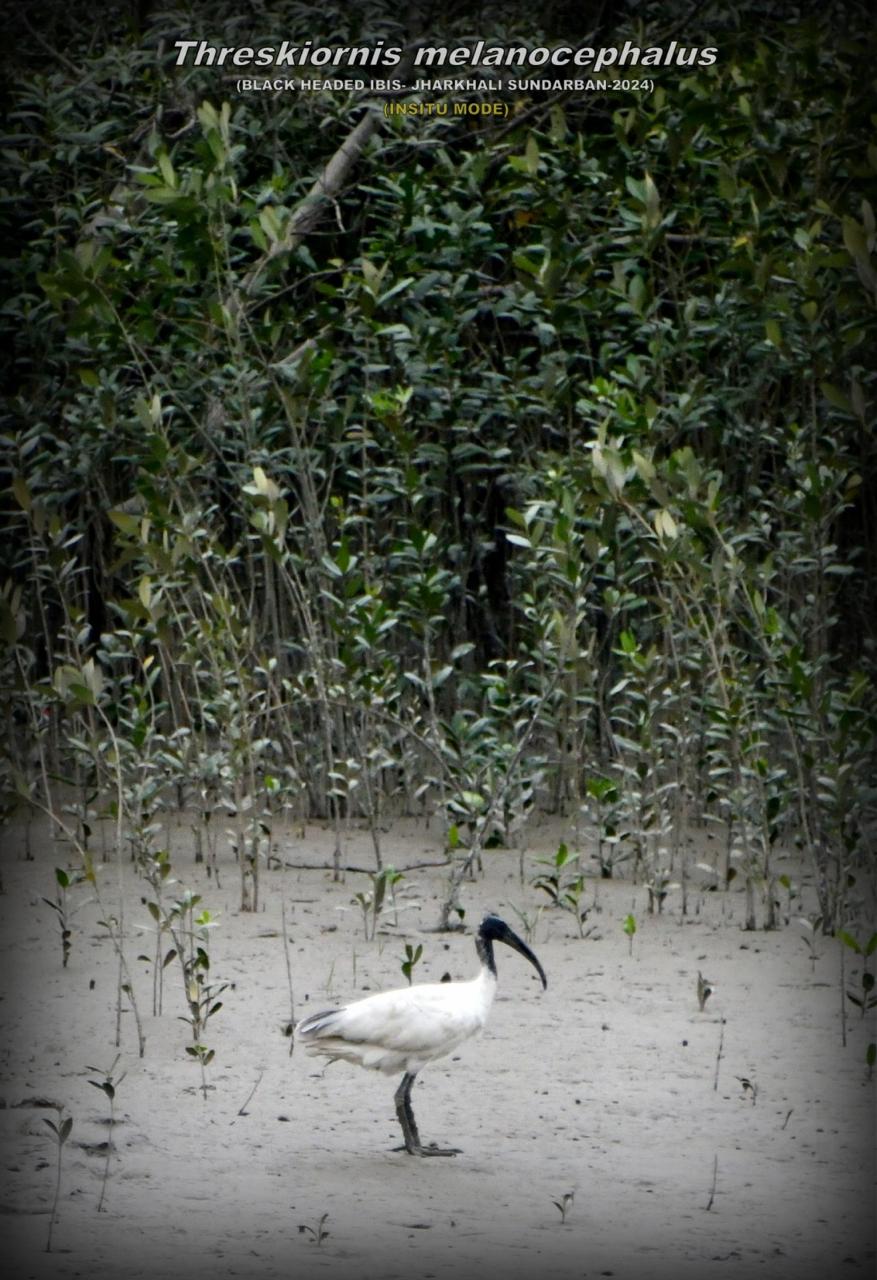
[493, 929]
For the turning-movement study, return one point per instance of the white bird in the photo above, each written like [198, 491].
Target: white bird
[402, 1030]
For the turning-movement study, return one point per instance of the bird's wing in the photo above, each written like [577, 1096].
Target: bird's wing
[411, 1019]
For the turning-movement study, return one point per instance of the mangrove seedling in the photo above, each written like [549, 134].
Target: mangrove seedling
[412, 955]
[605, 800]
[659, 885]
[157, 871]
[65, 880]
[749, 1087]
[564, 885]
[564, 1204]
[379, 898]
[203, 1003]
[629, 927]
[190, 934]
[203, 1056]
[317, 1234]
[704, 990]
[107, 1085]
[528, 921]
[813, 925]
[556, 881]
[791, 893]
[61, 1132]
[866, 998]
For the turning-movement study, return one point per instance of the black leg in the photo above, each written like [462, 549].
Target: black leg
[405, 1116]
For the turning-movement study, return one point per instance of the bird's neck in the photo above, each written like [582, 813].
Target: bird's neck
[484, 946]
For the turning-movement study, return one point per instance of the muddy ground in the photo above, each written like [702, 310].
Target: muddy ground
[736, 1141]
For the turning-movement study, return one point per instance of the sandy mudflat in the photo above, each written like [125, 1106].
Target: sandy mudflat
[603, 1086]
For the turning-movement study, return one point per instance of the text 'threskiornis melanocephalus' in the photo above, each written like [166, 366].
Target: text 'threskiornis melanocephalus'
[402, 1030]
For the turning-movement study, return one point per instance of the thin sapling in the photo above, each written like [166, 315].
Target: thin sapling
[865, 998]
[704, 990]
[564, 1204]
[66, 880]
[813, 925]
[61, 1132]
[564, 884]
[317, 1234]
[412, 956]
[629, 927]
[107, 1085]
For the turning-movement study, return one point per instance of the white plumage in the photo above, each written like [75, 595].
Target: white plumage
[402, 1030]
[405, 1029]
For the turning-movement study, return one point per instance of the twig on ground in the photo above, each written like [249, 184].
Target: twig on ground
[288, 977]
[243, 1107]
[709, 1203]
[719, 1055]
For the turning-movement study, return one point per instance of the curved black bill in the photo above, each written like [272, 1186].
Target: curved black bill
[494, 929]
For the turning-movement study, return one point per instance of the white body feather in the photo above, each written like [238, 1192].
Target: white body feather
[402, 1030]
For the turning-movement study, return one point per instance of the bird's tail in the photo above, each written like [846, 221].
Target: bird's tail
[324, 1023]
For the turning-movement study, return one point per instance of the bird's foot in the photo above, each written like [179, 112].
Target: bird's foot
[431, 1150]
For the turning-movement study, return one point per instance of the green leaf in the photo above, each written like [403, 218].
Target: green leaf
[652, 202]
[166, 168]
[855, 239]
[644, 466]
[123, 520]
[531, 155]
[8, 622]
[836, 397]
[665, 525]
[21, 492]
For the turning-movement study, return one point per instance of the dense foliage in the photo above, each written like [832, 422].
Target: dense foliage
[529, 469]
